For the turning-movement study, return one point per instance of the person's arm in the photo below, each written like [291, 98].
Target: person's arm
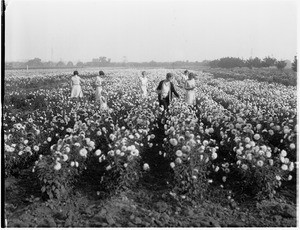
[158, 89]
[173, 90]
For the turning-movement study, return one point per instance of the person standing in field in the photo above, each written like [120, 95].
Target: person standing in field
[143, 82]
[99, 98]
[98, 84]
[76, 91]
[165, 91]
[190, 84]
[185, 75]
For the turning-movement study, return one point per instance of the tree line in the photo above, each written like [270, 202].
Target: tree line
[226, 62]
[232, 62]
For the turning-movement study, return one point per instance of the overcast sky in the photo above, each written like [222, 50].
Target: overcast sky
[161, 30]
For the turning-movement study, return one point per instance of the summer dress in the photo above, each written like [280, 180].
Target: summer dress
[190, 96]
[144, 82]
[98, 84]
[76, 88]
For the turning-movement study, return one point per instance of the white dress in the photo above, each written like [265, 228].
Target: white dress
[98, 84]
[143, 81]
[190, 96]
[76, 88]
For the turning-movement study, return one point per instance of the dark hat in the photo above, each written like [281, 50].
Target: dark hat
[101, 73]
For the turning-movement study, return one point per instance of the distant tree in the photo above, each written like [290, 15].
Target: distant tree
[280, 64]
[268, 61]
[214, 63]
[36, 62]
[256, 62]
[70, 64]
[79, 64]
[294, 64]
[49, 64]
[60, 64]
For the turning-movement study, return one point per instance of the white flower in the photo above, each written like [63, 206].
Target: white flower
[278, 177]
[260, 163]
[224, 178]
[72, 163]
[238, 152]
[67, 149]
[268, 154]
[245, 167]
[57, 166]
[98, 152]
[248, 146]
[249, 157]
[264, 148]
[92, 144]
[217, 169]
[49, 139]
[125, 165]
[283, 153]
[290, 177]
[172, 164]
[36, 148]
[76, 164]
[65, 157]
[292, 146]
[178, 160]
[214, 155]
[205, 142]
[173, 141]
[146, 167]
[247, 139]
[256, 136]
[178, 153]
[77, 144]
[284, 167]
[108, 167]
[83, 152]
[20, 153]
[26, 142]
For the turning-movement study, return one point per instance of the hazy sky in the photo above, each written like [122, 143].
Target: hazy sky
[163, 30]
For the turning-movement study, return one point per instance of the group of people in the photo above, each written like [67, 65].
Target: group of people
[165, 88]
[76, 90]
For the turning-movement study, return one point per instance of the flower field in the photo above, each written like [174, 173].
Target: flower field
[237, 146]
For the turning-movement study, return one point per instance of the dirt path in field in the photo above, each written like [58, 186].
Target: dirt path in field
[146, 206]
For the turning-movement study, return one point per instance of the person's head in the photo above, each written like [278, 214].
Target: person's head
[143, 73]
[169, 77]
[101, 73]
[75, 72]
[186, 72]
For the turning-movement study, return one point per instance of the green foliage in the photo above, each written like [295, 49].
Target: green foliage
[280, 64]
[294, 64]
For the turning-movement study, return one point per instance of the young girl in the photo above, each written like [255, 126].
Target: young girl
[75, 84]
[143, 85]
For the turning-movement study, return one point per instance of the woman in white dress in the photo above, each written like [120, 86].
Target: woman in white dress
[190, 95]
[98, 84]
[76, 87]
[143, 84]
